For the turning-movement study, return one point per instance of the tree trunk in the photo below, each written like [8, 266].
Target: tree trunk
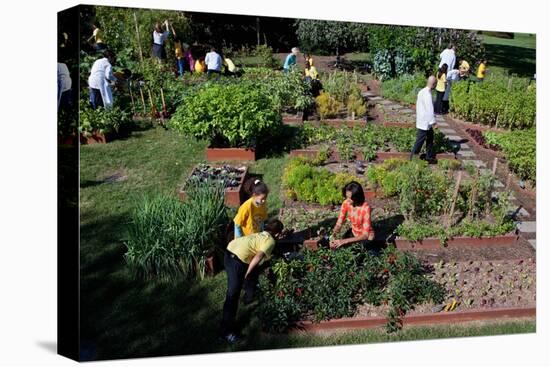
[258, 30]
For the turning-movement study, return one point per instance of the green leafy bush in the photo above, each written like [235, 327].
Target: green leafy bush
[168, 238]
[404, 88]
[520, 150]
[102, 120]
[499, 101]
[305, 182]
[330, 284]
[235, 115]
[265, 54]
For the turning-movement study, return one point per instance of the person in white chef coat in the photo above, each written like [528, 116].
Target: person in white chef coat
[448, 56]
[100, 80]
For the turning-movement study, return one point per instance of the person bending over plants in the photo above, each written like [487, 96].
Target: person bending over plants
[252, 213]
[357, 210]
[242, 259]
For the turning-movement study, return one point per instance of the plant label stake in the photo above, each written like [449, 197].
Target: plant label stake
[455, 194]
[495, 162]
[132, 97]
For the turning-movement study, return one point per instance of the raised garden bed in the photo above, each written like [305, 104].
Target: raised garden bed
[380, 156]
[230, 154]
[95, 138]
[425, 319]
[461, 241]
[233, 178]
[482, 290]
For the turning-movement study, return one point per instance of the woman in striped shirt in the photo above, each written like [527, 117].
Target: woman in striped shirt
[358, 212]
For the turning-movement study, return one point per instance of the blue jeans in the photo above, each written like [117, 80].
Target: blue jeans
[180, 63]
[95, 98]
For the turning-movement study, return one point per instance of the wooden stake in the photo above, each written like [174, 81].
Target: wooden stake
[142, 100]
[495, 162]
[138, 39]
[455, 194]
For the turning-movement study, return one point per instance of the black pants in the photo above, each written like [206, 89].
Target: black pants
[445, 106]
[438, 105]
[236, 270]
[95, 98]
[421, 136]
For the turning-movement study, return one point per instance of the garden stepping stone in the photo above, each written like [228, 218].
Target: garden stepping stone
[447, 131]
[466, 153]
[375, 98]
[368, 94]
[477, 163]
[385, 101]
[395, 106]
[464, 146]
[406, 110]
[533, 243]
[444, 124]
[454, 137]
[528, 227]
[524, 213]
[439, 118]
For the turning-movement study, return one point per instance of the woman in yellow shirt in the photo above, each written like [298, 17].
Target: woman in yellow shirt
[440, 89]
[481, 70]
[252, 213]
[200, 66]
[241, 261]
[97, 36]
[311, 71]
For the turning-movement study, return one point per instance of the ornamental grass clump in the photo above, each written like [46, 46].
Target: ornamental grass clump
[168, 238]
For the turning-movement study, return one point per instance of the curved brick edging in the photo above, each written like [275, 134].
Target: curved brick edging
[230, 154]
[418, 319]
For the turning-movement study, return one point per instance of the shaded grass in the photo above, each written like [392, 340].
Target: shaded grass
[513, 56]
[123, 317]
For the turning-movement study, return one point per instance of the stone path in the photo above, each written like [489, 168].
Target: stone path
[467, 155]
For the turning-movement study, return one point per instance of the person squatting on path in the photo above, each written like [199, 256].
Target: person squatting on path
[425, 121]
[99, 82]
[252, 213]
[242, 259]
[356, 209]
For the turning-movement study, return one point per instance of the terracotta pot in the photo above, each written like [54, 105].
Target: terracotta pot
[230, 154]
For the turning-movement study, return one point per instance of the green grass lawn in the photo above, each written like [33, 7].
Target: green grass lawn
[514, 56]
[123, 317]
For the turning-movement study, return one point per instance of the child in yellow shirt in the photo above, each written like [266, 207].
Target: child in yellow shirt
[481, 70]
[252, 213]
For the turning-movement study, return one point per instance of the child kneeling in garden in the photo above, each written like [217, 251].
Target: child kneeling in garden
[241, 261]
[357, 210]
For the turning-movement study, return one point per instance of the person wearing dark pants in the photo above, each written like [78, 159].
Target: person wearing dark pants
[425, 121]
[242, 258]
[440, 89]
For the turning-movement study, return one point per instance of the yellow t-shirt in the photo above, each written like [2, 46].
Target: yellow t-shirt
[98, 35]
[310, 60]
[312, 72]
[441, 83]
[481, 71]
[178, 49]
[199, 67]
[230, 65]
[248, 246]
[250, 217]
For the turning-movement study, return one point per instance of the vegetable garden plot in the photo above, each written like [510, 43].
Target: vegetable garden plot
[365, 143]
[441, 204]
[231, 177]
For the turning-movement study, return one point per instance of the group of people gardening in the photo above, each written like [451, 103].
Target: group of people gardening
[427, 109]
[255, 238]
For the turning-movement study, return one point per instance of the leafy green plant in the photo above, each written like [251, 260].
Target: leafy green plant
[330, 284]
[235, 115]
[168, 238]
[102, 120]
[265, 54]
[519, 148]
[403, 88]
[328, 106]
[302, 181]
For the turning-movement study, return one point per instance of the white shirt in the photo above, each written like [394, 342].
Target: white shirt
[101, 70]
[213, 61]
[159, 38]
[63, 77]
[425, 117]
[101, 73]
[448, 57]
